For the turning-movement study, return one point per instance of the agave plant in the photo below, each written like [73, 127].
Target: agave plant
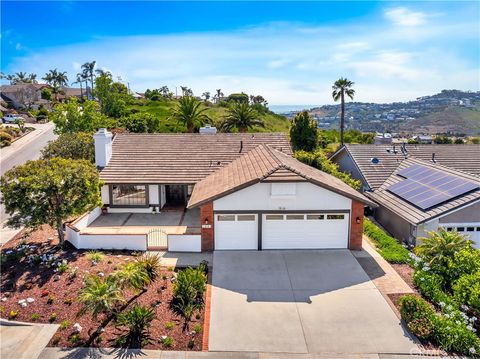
[138, 319]
[151, 264]
[100, 295]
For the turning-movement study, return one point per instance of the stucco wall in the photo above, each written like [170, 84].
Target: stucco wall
[137, 242]
[395, 225]
[184, 243]
[468, 214]
[258, 197]
[346, 164]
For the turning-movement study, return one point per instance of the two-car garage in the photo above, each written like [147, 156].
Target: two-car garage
[291, 230]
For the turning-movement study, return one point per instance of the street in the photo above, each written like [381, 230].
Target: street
[20, 151]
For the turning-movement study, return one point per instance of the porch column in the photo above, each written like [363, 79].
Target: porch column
[207, 221]
[356, 229]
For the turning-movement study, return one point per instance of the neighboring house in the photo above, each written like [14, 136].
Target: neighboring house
[68, 92]
[216, 192]
[399, 212]
[22, 95]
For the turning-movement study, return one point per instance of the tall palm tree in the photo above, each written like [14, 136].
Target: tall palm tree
[89, 71]
[21, 76]
[340, 88]
[189, 112]
[242, 116]
[218, 95]
[80, 82]
[56, 79]
[32, 78]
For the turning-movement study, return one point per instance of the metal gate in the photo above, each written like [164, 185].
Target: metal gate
[157, 240]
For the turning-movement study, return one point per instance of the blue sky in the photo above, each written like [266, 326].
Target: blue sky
[290, 52]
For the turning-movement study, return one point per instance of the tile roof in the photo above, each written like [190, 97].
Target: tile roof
[265, 164]
[465, 158]
[180, 158]
[411, 213]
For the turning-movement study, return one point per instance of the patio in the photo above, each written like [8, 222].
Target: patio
[171, 222]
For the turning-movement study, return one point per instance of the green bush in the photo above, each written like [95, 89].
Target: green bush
[466, 290]
[418, 315]
[5, 139]
[137, 320]
[387, 246]
[453, 334]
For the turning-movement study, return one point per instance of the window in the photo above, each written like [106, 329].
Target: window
[470, 229]
[226, 217]
[315, 216]
[460, 229]
[449, 229]
[335, 216]
[130, 195]
[283, 189]
[274, 217]
[291, 217]
[478, 229]
[246, 217]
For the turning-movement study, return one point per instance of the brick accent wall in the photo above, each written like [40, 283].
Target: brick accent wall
[356, 229]
[206, 213]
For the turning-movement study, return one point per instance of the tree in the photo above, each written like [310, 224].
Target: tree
[56, 79]
[303, 132]
[206, 95]
[189, 112]
[75, 146]
[340, 88]
[89, 71]
[242, 116]
[100, 296]
[113, 96]
[186, 91]
[165, 91]
[238, 97]
[75, 117]
[49, 192]
[80, 82]
[142, 122]
[46, 94]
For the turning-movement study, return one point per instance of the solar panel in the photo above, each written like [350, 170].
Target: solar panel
[425, 187]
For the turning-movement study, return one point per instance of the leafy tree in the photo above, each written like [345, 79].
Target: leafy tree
[112, 96]
[100, 296]
[242, 116]
[340, 88]
[142, 122]
[75, 117]
[319, 160]
[442, 139]
[238, 97]
[303, 132]
[49, 192]
[137, 320]
[46, 94]
[189, 111]
[75, 146]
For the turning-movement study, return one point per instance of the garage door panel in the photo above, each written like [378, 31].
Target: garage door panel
[306, 233]
[236, 231]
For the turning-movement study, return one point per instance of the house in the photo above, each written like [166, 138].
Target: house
[453, 170]
[23, 95]
[215, 191]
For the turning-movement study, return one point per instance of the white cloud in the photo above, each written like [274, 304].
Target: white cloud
[405, 17]
[286, 63]
[18, 46]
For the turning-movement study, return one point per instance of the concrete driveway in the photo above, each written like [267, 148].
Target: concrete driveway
[300, 302]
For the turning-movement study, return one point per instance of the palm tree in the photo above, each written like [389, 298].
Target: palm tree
[189, 112]
[340, 88]
[242, 116]
[21, 76]
[56, 79]
[100, 296]
[164, 91]
[89, 71]
[137, 319]
[218, 95]
[206, 95]
[132, 275]
[32, 78]
[80, 82]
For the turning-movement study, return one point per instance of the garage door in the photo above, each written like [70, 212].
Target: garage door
[304, 231]
[236, 231]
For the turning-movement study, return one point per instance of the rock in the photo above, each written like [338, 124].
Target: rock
[4, 299]
[30, 300]
[56, 278]
[50, 238]
[163, 337]
[77, 328]
[21, 301]
[24, 304]
[101, 274]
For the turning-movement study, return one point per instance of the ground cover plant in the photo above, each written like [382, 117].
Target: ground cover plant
[387, 246]
[447, 275]
[124, 299]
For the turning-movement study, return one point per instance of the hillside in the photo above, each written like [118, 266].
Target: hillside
[163, 108]
[452, 119]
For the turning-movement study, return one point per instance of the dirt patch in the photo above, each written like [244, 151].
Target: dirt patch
[55, 295]
[406, 272]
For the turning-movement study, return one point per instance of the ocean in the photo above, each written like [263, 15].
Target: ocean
[283, 109]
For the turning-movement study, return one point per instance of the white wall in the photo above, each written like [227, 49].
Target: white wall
[130, 210]
[258, 197]
[184, 243]
[153, 194]
[85, 220]
[105, 194]
[137, 242]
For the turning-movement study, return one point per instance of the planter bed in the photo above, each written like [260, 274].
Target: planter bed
[21, 280]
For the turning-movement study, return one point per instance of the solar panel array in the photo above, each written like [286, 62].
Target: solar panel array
[425, 187]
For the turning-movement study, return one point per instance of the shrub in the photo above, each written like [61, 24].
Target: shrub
[34, 317]
[64, 325]
[62, 268]
[13, 314]
[191, 343]
[74, 338]
[466, 290]
[151, 265]
[5, 139]
[138, 319]
[142, 122]
[169, 325]
[53, 317]
[418, 315]
[132, 275]
[68, 301]
[95, 257]
[197, 328]
[56, 339]
[167, 342]
[452, 334]
[387, 246]
[99, 295]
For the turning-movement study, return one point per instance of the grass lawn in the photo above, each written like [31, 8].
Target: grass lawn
[51, 296]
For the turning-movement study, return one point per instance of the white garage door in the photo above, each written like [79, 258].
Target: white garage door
[470, 230]
[236, 231]
[304, 231]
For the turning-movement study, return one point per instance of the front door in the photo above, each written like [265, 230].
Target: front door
[176, 194]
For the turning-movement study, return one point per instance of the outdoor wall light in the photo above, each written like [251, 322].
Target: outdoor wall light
[357, 220]
[206, 221]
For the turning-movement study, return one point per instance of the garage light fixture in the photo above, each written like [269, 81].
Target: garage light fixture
[357, 220]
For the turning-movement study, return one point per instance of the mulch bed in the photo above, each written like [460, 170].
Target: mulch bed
[406, 272]
[22, 280]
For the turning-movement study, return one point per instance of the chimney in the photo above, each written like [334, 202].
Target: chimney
[433, 157]
[208, 130]
[103, 147]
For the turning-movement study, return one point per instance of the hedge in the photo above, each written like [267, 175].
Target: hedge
[387, 246]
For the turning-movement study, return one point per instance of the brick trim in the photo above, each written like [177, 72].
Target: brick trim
[206, 317]
[206, 214]
[356, 229]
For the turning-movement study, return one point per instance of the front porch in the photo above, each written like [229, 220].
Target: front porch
[173, 231]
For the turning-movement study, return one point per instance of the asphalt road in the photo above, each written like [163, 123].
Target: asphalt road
[27, 148]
